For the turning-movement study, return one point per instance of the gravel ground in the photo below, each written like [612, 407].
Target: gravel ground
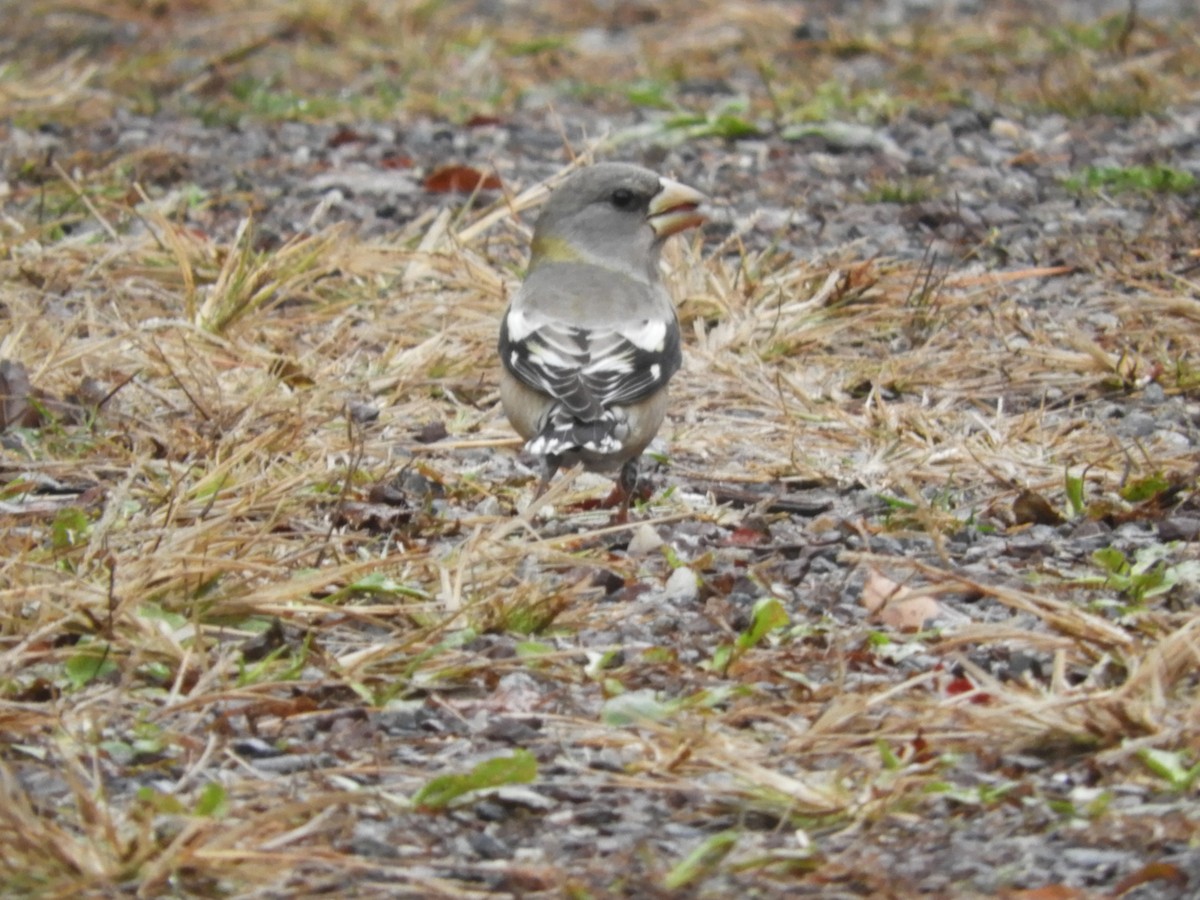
[808, 195]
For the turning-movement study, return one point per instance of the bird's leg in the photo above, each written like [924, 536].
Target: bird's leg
[627, 485]
[549, 466]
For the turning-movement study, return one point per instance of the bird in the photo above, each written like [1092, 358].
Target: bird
[590, 340]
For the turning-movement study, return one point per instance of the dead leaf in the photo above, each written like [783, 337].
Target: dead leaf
[921, 751]
[388, 494]
[396, 161]
[1155, 871]
[879, 590]
[276, 708]
[1026, 159]
[24, 406]
[457, 179]
[373, 518]
[15, 394]
[910, 614]
[1031, 508]
[265, 644]
[290, 373]
[482, 121]
[744, 536]
[159, 167]
[897, 606]
[1049, 892]
[960, 684]
[721, 584]
[344, 136]
[430, 432]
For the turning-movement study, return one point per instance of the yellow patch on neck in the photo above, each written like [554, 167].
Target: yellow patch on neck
[551, 249]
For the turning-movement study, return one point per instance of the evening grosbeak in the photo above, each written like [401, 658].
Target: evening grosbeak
[591, 339]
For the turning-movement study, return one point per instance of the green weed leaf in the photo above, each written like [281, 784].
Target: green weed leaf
[701, 861]
[91, 662]
[438, 793]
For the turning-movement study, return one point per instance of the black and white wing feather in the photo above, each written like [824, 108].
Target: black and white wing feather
[588, 370]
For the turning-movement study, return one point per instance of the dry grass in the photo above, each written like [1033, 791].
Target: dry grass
[217, 482]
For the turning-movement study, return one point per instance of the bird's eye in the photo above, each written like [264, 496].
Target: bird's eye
[622, 198]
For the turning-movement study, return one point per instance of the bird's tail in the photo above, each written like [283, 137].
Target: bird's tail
[562, 433]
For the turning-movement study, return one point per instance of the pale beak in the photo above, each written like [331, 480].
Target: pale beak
[674, 208]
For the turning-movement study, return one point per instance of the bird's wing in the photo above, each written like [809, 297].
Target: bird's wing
[590, 368]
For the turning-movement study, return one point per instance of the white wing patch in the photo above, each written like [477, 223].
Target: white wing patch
[590, 372]
[648, 335]
[519, 325]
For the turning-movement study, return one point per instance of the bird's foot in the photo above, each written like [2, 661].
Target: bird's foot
[624, 491]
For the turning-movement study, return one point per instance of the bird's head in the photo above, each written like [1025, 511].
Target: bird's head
[616, 215]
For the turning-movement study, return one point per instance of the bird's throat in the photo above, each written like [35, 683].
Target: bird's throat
[550, 249]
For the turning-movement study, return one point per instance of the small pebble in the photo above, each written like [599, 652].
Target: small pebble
[645, 540]
[682, 585]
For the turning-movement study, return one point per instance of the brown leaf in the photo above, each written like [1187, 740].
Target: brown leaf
[159, 167]
[1155, 871]
[482, 121]
[457, 179]
[921, 751]
[523, 879]
[960, 684]
[1031, 508]
[344, 136]
[1049, 892]
[39, 691]
[879, 590]
[720, 584]
[290, 373]
[746, 537]
[265, 644]
[895, 605]
[387, 493]
[430, 432]
[1026, 159]
[280, 708]
[375, 518]
[396, 161]
[910, 614]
